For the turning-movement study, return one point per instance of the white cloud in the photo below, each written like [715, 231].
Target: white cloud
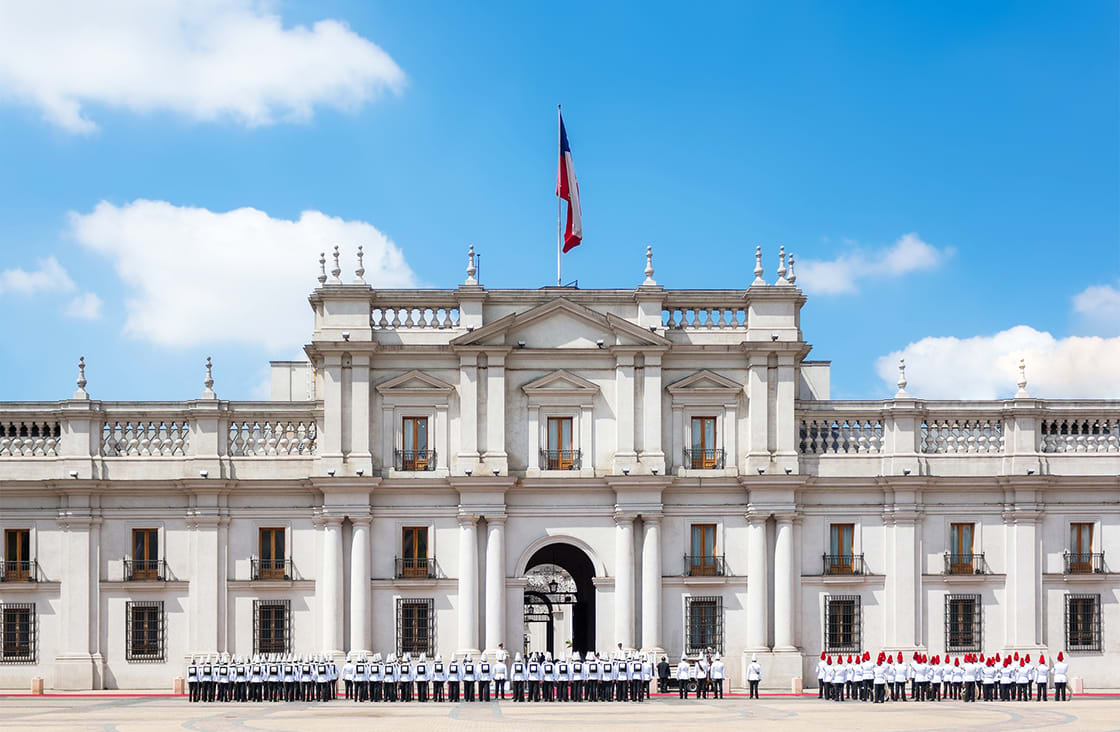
[987, 367]
[1099, 307]
[86, 306]
[49, 277]
[842, 275]
[205, 59]
[198, 276]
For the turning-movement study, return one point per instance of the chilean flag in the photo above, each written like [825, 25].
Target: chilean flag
[568, 189]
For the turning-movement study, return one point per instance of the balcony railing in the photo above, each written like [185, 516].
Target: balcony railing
[704, 565]
[962, 564]
[1083, 563]
[13, 570]
[704, 459]
[139, 570]
[414, 460]
[415, 567]
[560, 460]
[271, 569]
[843, 565]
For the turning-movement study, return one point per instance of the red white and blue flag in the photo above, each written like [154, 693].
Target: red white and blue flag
[568, 189]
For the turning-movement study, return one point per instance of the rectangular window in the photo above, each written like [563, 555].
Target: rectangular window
[415, 433]
[17, 554]
[960, 548]
[272, 549]
[963, 623]
[702, 560]
[560, 453]
[415, 626]
[272, 626]
[843, 623]
[1080, 548]
[145, 554]
[703, 624]
[414, 552]
[144, 631]
[19, 632]
[704, 455]
[840, 546]
[1083, 622]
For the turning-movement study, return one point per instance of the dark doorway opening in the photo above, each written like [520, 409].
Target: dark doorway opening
[577, 564]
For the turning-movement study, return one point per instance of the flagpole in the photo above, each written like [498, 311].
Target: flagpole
[559, 225]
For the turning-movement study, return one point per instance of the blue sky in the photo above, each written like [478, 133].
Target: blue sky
[988, 132]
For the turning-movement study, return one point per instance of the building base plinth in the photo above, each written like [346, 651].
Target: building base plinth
[75, 672]
[779, 668]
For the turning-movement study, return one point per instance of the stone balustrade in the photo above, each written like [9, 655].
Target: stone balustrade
[29, 437]
[1081, 435]
[962, 436]
[846, 436]
[139, 436]
[699, 312]
[442, 316]
[271, 437]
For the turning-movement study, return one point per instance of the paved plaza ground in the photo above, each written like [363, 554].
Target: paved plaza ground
[153, 713]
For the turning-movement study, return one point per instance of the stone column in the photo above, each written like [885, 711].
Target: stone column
[756, 583]
[1023, 576]
[784, 581]
[624, 580]
[495, 581]
[785, 421]
[74, 665]
[758, 454]
[624, 455]
[330, 576]
[359, 585]
[902, 579]
[653, 457]
[467, 458]
[468, 585]
[651, 583]
[330, 436]
[205, 598]
[495, 455]
[361, 455]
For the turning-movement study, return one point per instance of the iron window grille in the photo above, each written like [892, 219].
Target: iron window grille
[272, 626]
[414, 460]
[965, 563]
[703, 622]
[144, 631]
[704, 565]
[1084, 563]
[963, 623]
[1083, 622]
[843, 616]
[270, 569]
[19, 632]
[14, 570]
[843, 564]
[138, 570]
[699, 459]
[415, 567]
[415, 626]
[561, 460]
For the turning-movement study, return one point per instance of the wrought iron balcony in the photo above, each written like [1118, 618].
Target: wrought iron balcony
[561, 460]
[962, 564]
[271, 569]
[12, 570]
[704, 459]
[138, 570]
[704, 565]
[415, 567]
[1082, 563]
[843, 565]
[418, 460]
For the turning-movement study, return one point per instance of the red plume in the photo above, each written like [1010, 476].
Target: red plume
[997, 656]
[822, 655]
[900, 657]
[981, 656]
[1042, 659]
[1060, 656]
[1016, 656]
[1028, 658]
[830, 660]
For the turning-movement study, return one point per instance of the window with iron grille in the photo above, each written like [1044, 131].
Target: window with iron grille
[272, 626]
[144, 631]
[19, 622]
[415, 626]
[703, 622]
[843, 621]
[963, 622]
[1083, 622]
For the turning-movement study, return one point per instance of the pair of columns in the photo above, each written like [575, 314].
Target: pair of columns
[651, 581]
[495, 582]
[359, 584]
[785, 584]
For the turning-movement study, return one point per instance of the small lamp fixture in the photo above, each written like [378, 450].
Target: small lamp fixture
[552, 586]
[1030, 471]
[626, 471]
[761, 471]
[73, 473]
[906, 471]
[653, 470]
[204, 473]
[789, 471]
[495, 471]
[345, 335]
[330, 473]
[360, 473]
[521, 344]
[773, 336]
[599, 343]
[468, 471]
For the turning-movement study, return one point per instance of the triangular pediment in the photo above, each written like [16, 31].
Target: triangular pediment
[561, 323]
[705, 382]
[560, 382]
[414, 382]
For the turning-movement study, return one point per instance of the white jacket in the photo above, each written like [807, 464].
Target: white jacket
[754, 671]
[1041, 673]
[1061, 672]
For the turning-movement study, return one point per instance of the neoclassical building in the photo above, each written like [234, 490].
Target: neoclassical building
[661, 469]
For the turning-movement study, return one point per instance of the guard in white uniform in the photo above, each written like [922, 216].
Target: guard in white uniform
[682, 677]
[1061, 677]
[1041, 678]
[754, 676]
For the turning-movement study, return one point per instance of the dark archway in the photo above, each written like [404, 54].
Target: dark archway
[582, 570]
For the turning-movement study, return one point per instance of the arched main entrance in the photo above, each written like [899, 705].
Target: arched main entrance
[576, 596]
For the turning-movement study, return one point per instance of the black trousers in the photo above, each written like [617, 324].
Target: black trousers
[453, 691]
[1042, 692]
[518, 691]
[753, 689]
[534, 690]
[880, 693]
[682, 688]
[1059, 691]
[500, 688]
[468, 690]
[717, 688]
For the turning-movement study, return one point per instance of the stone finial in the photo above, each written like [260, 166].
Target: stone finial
[781, 265]
[360, 272]
[791, 277]
[322, 268]
[649, 267]
[208, 382]
[471, 270]
[1022, 382]
[336, 272]
[81, 392]
[901, 379]
[758, 267]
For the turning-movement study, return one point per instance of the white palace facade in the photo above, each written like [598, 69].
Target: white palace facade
[669, 460]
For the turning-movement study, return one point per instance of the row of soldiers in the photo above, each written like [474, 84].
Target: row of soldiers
[969, 678]
[271, 678]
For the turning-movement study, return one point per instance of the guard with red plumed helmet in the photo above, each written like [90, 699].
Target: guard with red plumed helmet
[1041, 677]
[1061, 676]
[821, 667]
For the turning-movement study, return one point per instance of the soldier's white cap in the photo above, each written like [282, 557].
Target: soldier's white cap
[517, 657]
[754, 657]
[439, 658]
